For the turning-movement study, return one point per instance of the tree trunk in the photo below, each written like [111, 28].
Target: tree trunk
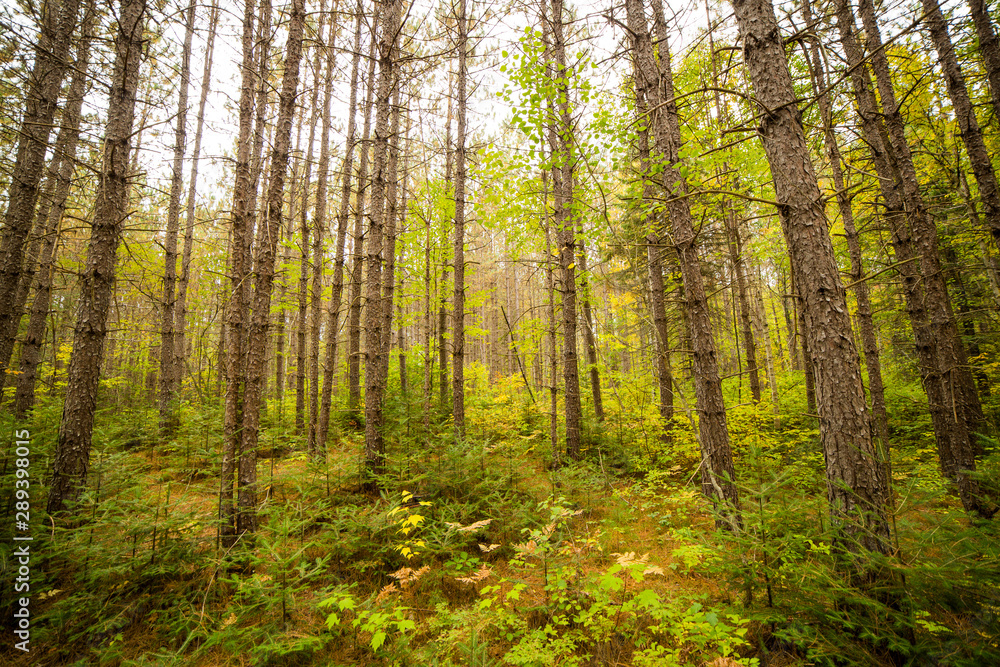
[951, 396]
[374, 388]
[354, 332]
[333, 326]
[168, 343]
[58, 20]
[319, 225]
[50, 216]
[972, 137]
[989, 49]
[564, 157]
[71, 459]
[866, 324]
[458, 308]
[656, 83]
[181, 310]
[246, 519]
[855, 485]
[237, 304]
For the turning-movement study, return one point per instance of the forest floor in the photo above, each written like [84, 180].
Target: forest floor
[483, 553]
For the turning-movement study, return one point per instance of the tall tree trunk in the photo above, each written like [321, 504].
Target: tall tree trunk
[866, 324]
[442, 329]
[237, 304]
[246, 519]
[855, 485]
[950, 390]
[374, 388]
[354, 326]
[391, 233]
[50, 215]
[458, 307]
[333, 326]
[71, 459]
[168, 343]
[181, 310]
[588, 333]
[319, 225]
[989, 49]
[972, 136]
[302, 328]
[564, 157]
[657, 88]
[58, 21]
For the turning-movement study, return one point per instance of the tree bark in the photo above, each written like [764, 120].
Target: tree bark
[50, 215]
[855, 485]
[655, 79]
[319, 225]
[333, 326]
[246, 518]
[458, 306]
[58, 22]
[354, 326]
[237, 304]
[181, 310]
[989, 49]
[374, 388]
[168, 343]
[71, 459]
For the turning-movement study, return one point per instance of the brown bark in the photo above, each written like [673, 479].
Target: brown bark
[333, 326]
[168, 343]
[564, 158]
[855, 486]
[319, 226]
[458, 305]
[305, 267]
[181, 310]
[246, 518]
[71, 459]
[58, 21]
[654, 80]
[374, 388]
[951, 393]
[989, 49]
[50, 214]
[354, 325]
[972, 136]
[869, 342]
[237, 303]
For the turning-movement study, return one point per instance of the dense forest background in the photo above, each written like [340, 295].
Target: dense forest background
[467, 333]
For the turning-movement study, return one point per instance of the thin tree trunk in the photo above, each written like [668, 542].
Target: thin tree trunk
[304, 248]
[237, 304]
[458, 307]
[564, 157]
[246, 519]
[855, 485]
[181, 311]
[58, 20]
[50, 215]
[374, 388]
[391, 233]
[354, 326]
[71, 459]
[319, 225]
[168, 343]
[588, 334]
[333, 327]
[657, 88]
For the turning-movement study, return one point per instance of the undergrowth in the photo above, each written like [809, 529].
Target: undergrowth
[480, 552]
